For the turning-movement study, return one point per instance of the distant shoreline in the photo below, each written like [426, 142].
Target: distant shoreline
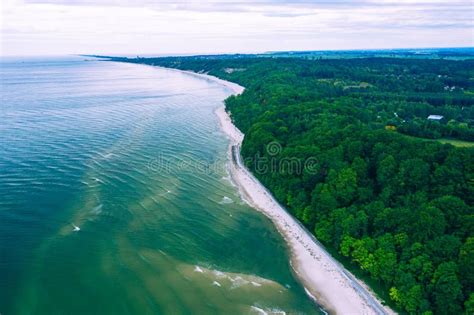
[324, 279]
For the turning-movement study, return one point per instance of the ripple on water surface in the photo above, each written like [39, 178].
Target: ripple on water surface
[114, 202]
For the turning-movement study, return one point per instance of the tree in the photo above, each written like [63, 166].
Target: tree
[466, 264]
[322, 199]
[414, 174]
[343, 185]
[469, 305]
[427, 222]
[453, 209]
[415, 301]
[447, 292]
[386, 171]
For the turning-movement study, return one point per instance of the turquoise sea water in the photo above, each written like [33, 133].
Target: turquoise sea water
[133, 157]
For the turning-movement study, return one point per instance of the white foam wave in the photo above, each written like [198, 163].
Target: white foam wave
[218, 273]
[258, 310]
[267, 311]
[98, 180]
[198, 269]
[226, 200]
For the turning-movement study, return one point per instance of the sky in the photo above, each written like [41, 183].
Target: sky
[147, 27]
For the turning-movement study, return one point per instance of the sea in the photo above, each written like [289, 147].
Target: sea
[115, 198]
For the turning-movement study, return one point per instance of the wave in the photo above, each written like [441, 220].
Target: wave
[226, 200]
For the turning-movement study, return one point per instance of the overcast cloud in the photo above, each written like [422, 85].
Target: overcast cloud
[44, 27]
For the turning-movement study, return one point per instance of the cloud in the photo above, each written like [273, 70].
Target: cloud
[145, 26]
[229, 5]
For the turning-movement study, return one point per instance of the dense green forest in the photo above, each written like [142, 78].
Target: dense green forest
[418, 53]
[388, 201]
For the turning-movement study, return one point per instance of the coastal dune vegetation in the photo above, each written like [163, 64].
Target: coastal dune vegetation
[394, 208]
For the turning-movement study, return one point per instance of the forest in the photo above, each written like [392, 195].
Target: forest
[387, 198]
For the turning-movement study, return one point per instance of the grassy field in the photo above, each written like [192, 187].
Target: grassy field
[456, 143]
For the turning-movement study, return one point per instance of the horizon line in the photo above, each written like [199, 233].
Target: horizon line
[177, 54]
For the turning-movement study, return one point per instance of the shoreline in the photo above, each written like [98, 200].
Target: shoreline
[311, 263]
[324, 279]
[343, 293]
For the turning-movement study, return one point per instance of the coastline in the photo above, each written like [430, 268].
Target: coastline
[343, 293]
[319, 273]
[324, 279]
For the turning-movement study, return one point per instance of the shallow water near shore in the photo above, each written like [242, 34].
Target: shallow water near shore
[115, 198]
